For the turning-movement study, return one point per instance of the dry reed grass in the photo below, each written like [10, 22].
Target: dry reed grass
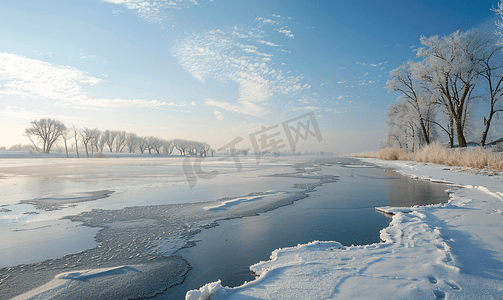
[437, 154]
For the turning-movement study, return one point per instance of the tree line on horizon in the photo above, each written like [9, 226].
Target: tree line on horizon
[44, 134]
[440, 93]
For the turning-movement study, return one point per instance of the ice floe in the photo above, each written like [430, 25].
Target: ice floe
[53, 202]
[225, 204]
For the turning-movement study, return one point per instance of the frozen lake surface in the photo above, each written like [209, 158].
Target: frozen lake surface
[343, 211]
[141, 220]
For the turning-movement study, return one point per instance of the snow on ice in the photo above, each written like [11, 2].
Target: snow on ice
[444, 251]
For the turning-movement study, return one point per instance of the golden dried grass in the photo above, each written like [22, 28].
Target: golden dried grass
[478, 158]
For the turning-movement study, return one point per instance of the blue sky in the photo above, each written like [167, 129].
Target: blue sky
[214, 70]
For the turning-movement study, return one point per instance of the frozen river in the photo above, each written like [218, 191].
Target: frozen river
[143, 222]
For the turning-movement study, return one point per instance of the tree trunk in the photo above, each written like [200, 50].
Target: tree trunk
[76, 147]
[425, 132]
[66, 148]
[460, 134]
[487, 124]
[36, 148]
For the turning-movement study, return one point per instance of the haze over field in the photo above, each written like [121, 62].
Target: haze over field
[214, 70]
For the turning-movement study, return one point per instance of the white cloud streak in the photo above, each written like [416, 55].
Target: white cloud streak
[220, 55]
[248, 108]
[25, 77]
[238, 54]
[305, 108]
[218, 115]
[155, 11]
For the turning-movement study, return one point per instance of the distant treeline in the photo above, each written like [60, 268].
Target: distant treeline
[45, 133]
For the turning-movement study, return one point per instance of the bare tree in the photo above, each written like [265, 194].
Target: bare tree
[451, 66]
[102, 142]
[203, 149]
[492, 73]
[142, 144]
[403, 129]
[95, 140]
[75, 134]
[65, 136]
[109, 136]
[131, 141]
[150, 143]
[168, 147]
[413, 93]
[47, 130]
[155, 144]
[120, 141]
[181, 145]
[87, 136]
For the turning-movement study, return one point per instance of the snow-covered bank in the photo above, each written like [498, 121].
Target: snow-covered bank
[451, 251]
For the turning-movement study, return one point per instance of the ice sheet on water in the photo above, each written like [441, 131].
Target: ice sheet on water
[442, 251]
[357, 166]
[134, 235]
[227, 204]
[4, 210]
[139, 237]
[169, 246]
[112, 282]
[127, 237]
[53, 202]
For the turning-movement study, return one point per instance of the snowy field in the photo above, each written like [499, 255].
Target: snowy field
[443, 251]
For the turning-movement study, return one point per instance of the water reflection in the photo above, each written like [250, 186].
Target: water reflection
[343, 211]
[404, 191]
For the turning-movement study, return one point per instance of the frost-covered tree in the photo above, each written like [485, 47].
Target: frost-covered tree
[75, 133]
[47, 130]
[102, 142]
[155, 144]
[168, 147]
[95, 140]
[120, 141]
[88, 135]
[414, 94]
[203, 149]
[109, 137]
[142, 144]
[131, 141]
[499, 11]
[182, 146]
[404, 130]
[492, 80]
[451, 67]
[65, 136]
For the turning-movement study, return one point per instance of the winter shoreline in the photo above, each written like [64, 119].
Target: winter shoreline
[451, 250]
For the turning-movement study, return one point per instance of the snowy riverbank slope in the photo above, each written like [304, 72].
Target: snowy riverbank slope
[447, 251]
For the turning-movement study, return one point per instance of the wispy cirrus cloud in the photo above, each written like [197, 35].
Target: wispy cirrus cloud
[12, 111]
[26, 77]
[222, 55]
[246, 55]
[277, 23]
[305, 108]
[245, 107]
[218, 115]
[156, 11]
